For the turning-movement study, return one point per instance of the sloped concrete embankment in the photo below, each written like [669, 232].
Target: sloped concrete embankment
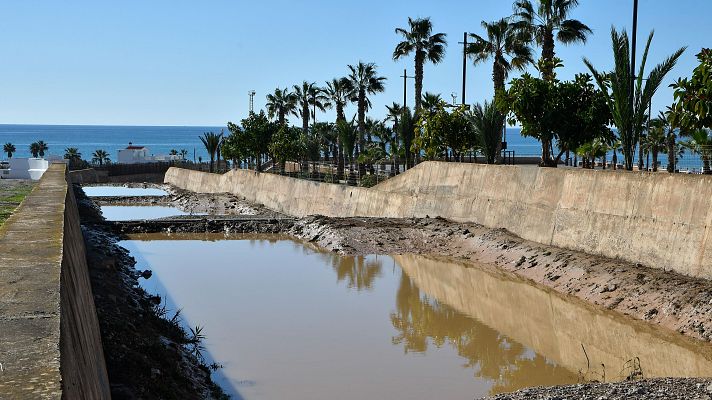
[658, 220]
[50, 343]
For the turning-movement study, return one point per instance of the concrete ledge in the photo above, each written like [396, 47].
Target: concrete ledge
[660, 220]
[50, 344]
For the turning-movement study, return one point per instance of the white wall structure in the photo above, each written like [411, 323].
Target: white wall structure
[25, 168]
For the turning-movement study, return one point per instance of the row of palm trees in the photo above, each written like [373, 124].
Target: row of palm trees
[506, 42]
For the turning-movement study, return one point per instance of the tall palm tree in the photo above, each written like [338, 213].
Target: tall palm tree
[307, 95]
[211, 141]
[9, 148]
[100, 157]
[365, 81]
[617, 84]
[395, 111]
[183, 154]
[41, 148]
[280, 104]
[418, 39]
[340, 92]
[431, 102]
[488, 122]
[507, 46]
[547, 22]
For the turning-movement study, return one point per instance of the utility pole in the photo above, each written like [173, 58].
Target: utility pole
[632, 74]
[251, 93]
[464, 65]
[405, 86]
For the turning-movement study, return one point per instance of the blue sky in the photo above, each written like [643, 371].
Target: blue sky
[192, 63]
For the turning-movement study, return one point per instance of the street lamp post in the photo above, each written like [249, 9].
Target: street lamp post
[405, 86]
[632, 72]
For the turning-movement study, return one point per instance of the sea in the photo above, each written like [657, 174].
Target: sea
[160, 140]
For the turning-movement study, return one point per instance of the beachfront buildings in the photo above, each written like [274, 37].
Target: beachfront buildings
[134, 154]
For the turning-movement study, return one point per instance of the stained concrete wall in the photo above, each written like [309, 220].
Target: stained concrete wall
[50, 344]
[659, 220]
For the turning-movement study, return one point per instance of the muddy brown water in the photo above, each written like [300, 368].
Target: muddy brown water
[287, 320]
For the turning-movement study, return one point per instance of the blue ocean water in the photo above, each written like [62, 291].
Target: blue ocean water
[89, 138]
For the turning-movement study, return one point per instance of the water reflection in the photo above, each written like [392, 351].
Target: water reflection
[422, 321]
[391, 327]
[128, 213]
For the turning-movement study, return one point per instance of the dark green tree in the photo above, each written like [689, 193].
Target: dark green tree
[488, 122]
[9, 148]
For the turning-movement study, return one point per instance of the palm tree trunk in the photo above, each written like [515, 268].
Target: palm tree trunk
[640, 155]
[655, 159]
[547, 54]
[498, 79]
[419, 58]
[305, 117]
[671, 153]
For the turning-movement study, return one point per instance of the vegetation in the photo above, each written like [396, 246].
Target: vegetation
[693, 97]
[38, 149]
[487, 122]
[701, 143]
[419, 40]
[9, 149]
[281, 104]
[629, 118]
[365, 81]
[11, 196]
[444, 133]
[100, 157]
[570, 114]
[546, 22]
[212, 142]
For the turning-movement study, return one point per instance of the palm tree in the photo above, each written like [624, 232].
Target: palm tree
[35, 150]
[72, 154]
[41, 148]
[340, 92]
[656, 141]
[547, 22]
[306, 95]
[280, 104]
[100, 157]
[431, 102]
[394, 113]
[211, 141]
[418, 39]
[617, 83]
[508, 48]
[365, 81]
[488, 122]
[183, 153]
[701, 143]
[9, 148]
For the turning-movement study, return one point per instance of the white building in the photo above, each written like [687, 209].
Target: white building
[25, 168]
[134, 154]
[140, 154]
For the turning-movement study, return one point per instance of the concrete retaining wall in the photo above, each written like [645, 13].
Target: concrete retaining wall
[50, 343]
[659, 220]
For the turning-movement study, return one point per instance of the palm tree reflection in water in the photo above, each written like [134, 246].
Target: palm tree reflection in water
[422, 321]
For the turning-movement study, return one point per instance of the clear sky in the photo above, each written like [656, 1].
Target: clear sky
[174, 62]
